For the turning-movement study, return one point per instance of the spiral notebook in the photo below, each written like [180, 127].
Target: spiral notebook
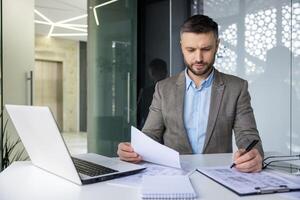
[167, 187]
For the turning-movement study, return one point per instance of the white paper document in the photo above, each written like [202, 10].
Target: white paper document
[267, 181]
[151, 170]
[152, 151]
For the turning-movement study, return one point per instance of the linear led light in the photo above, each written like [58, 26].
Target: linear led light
[68, 34]
[63, 24]
[42, 22]
[51, 30]
[42, 16]
[77, 25]
[98, 6]
[72, 19]
[70, 27]
[66, 26]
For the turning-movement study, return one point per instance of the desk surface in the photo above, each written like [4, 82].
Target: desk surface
[22, 180]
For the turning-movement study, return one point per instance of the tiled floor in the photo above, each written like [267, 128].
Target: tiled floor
[76, 142]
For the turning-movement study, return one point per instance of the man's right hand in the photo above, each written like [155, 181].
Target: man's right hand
[126, 153]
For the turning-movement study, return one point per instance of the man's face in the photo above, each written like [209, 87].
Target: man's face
[199, 52]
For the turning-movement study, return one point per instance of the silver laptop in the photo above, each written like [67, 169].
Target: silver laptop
[46, 148]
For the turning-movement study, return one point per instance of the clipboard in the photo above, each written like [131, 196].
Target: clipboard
[269, 190]
[264, 182]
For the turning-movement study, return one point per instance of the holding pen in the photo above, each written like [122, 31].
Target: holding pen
[249, 147]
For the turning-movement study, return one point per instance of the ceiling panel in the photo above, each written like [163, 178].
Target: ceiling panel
[57, 11]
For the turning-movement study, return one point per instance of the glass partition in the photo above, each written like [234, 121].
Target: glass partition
[112, 67]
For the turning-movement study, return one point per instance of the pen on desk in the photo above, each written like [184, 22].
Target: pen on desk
[249, 147]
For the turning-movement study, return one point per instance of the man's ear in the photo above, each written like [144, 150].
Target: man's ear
[180, 44]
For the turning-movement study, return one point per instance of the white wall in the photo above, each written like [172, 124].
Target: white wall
[18, 57]
[18, 49]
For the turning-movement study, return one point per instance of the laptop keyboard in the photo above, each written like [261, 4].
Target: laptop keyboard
[91, 169]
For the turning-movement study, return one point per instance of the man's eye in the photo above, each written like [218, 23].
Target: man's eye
[190, 50]
[206, 49]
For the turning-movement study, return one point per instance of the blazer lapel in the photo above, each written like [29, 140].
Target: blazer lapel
[217, 91]
[179, 98]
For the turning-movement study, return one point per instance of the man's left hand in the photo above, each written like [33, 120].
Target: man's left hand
[249, 162]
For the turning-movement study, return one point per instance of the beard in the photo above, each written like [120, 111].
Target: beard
[202, 70]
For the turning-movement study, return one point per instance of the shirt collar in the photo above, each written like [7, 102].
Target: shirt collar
[206, 83]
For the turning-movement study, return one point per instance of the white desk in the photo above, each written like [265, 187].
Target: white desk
[23, 181]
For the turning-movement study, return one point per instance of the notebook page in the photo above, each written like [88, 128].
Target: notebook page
[167, 187]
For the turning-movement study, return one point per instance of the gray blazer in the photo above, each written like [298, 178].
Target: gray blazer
[230, 109]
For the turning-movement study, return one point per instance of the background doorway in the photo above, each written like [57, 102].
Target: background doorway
[48, 87]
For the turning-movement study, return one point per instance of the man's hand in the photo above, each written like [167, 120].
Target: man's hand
[126, 153]
[249, 162]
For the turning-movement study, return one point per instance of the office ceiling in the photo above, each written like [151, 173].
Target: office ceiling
[68, 19]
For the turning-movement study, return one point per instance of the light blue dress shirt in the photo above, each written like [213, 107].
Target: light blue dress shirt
[196, 110]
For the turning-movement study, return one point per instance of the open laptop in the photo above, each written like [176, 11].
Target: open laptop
[45, 146]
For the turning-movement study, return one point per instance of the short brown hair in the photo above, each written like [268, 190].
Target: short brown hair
[199, 24]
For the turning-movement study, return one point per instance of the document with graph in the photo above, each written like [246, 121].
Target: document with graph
[265, 182]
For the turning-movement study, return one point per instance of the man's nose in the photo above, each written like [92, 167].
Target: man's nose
[199, 56]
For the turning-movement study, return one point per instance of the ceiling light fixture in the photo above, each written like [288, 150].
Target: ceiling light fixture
[50, 31]
[42, 22]
[70, 27]
[82, 28]
[43, 16]
[72, 19]
[68, 34]
[98, 6]
[77, 25]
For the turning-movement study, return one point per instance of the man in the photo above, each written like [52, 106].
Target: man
[196, 111]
